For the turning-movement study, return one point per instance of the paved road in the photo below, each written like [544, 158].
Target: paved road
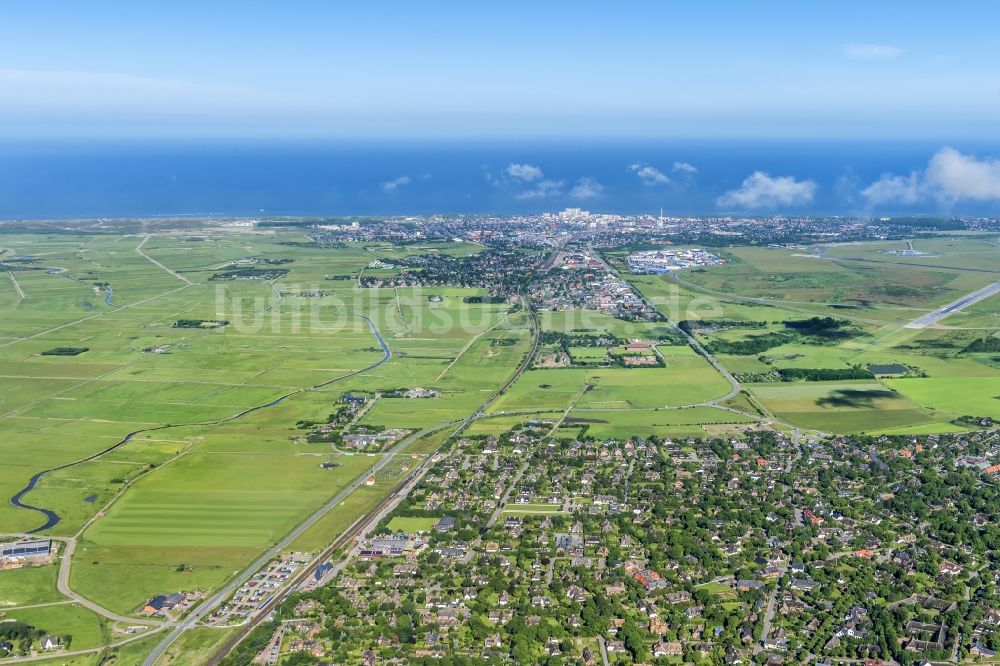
[772, 598]
[220, 596]
[50, 657]
[769, 614]
[158, 651]
[17, 287]
[138, 249]
[604, 650]
[361, 526]
[62, 583]
[734, 385]
[931, 318]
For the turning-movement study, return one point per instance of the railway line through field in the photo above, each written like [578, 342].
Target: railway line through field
[360, 526]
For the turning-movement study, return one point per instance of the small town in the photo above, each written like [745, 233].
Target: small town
[544, 545]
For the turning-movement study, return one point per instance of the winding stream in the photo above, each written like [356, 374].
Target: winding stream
[52, 518]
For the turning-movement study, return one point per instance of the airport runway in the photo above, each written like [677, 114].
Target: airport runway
[932, 318]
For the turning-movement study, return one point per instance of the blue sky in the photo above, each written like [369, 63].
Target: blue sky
[475, 69]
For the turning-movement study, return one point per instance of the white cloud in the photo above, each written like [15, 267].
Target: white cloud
[395, 183]
[524, 172]
[587, 188]
[684, 167]
[760, 190]
[957, 176]
[871, 51]
[649, 175]
[894, 189]
[949, 177]
[544, 188]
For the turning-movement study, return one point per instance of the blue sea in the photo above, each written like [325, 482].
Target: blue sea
[326, 178]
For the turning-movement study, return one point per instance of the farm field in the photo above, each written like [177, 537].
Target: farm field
[685, 380]
[28, 586]
[203, 515]
[975, 396]
[176, 451]
[840, 407]
[618, 423]
[831, 276]
[217, 469]
[744, 308]
[87, 628]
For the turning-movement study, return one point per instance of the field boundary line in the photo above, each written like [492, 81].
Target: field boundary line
[376, 514]
[138, 249]
[469, 344]
[64, 602]
[88, 317]
[17, 287]
[101, 377]
[52, 518]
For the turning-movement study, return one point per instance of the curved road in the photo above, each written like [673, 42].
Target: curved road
[734, 385]
[224, 593]
[374, 515]
[62, 584]
[52, 518]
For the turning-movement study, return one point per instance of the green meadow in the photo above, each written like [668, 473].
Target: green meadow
[875, 294]
[218, 470]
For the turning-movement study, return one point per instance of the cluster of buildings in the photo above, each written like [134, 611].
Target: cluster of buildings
[590, 289]
[665, 261]
[364, 440]
[169, 606]
[745, 549]
[609, 230]
[256, 592]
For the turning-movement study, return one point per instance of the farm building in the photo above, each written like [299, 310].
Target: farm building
[25, 549]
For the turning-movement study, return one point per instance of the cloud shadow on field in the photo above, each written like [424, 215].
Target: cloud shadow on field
[854, 398]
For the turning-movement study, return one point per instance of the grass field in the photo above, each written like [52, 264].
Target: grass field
[205, 486]
[86, 628]
[201, 498]
[411, 525]
[840, 407]
[27, 586]
[192, 647]
[617, 423]
[972, 396]
[877, 293]
[686, 379]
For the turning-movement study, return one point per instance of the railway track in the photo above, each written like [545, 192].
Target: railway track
[373, 514]
[344, 539]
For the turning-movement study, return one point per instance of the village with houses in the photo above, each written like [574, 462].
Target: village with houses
[548, 547]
